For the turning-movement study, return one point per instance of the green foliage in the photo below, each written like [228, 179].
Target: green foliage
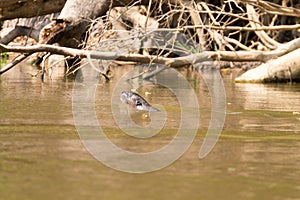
[4, 54]
[3, 58]
[187, 48]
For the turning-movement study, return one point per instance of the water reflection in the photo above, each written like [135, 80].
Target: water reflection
[269, 107]
[257, 156]
[275, 97]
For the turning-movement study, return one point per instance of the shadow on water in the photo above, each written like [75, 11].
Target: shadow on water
[41, 156]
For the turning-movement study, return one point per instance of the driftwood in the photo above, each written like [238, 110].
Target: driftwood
[11, 9]
[226, 30]
[29, 27]
[283, 69]
[20, 31]
[172, 62]
[70, 27]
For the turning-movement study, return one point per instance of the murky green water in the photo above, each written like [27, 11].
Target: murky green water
[41, 155]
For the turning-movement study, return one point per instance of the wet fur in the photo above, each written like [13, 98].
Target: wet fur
[136, 101]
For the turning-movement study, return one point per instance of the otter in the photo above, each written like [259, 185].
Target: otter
[135, 100]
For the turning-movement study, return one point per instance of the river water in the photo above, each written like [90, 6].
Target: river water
[42, 157]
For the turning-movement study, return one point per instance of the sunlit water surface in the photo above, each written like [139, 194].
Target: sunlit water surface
[42, 157]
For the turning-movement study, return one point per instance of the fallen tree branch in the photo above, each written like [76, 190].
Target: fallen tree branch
[274, 8]
[263, 36]
[11, 9]
[172, 62]
[240, 28]
[20, 31]
[284, 69]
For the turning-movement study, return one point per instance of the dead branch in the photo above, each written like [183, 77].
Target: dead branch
[238, 28]
[285, 68]
[208, 25]
[20, 31]
[196, 20]
[139, 20]
[172, 62]
[11, 9]
[273, 8]
[263, 36]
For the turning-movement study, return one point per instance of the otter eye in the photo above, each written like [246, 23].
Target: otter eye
[138, 103]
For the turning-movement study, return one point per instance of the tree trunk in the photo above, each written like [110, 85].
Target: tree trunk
[223, 30]
[11, 9]
[283, 69]
[71, 25]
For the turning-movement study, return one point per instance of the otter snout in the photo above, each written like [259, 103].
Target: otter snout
[135, 100]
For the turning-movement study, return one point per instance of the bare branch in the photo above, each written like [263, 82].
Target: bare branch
[20, 31]
[239, 28]
[273, 8]
[172, 62]
[269, 42]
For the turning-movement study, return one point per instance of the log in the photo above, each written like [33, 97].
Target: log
[72, 21]
[283, 69]
[240, 56]
[172, 62]
[11, 9]
[70, 27]
[20, 31]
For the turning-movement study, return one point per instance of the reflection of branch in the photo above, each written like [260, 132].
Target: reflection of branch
[155, 72]
[172, 62]
[16, 61]
[95, 68]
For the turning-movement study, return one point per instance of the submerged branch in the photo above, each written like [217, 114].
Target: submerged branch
[16, 61]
